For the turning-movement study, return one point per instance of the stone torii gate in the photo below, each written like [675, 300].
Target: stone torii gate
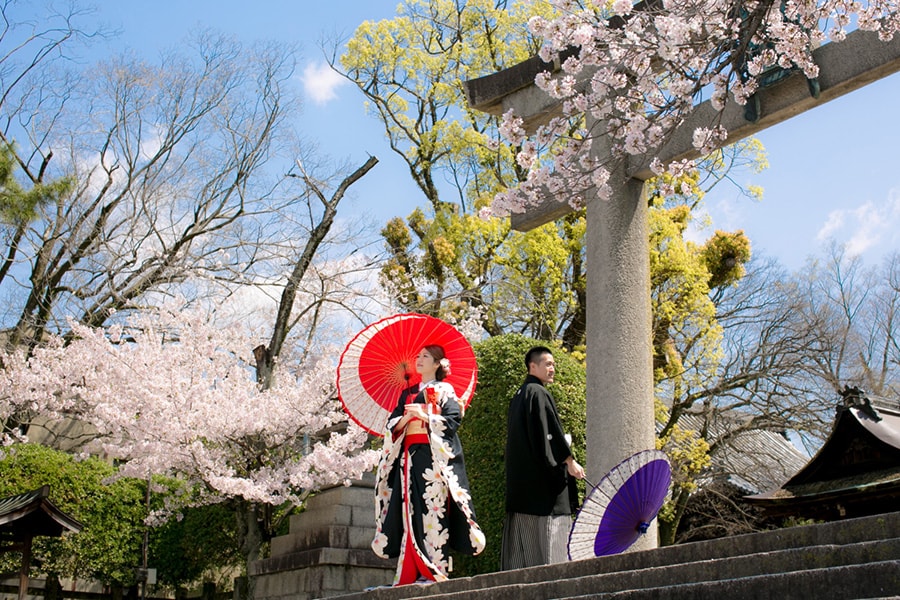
[619, 400]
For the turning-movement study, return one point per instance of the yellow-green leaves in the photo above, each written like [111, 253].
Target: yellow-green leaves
[411, 69]
[724, 256]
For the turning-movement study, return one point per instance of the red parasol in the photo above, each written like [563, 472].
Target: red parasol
[380, 362]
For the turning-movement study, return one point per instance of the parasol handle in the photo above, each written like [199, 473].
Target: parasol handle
[588, 486]
[642, 527]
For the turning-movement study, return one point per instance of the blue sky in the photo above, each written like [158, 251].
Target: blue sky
[834, 171]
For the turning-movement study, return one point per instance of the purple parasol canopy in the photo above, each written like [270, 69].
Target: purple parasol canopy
[619, 509]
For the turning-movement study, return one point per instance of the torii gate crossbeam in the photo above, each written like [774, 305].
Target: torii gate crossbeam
[843, 67]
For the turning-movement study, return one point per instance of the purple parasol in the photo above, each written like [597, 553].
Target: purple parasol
[619, 509]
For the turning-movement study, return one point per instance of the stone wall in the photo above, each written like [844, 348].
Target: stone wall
[327, 551]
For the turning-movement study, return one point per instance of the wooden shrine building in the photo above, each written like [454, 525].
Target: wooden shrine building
[26, 516]
[856, 473]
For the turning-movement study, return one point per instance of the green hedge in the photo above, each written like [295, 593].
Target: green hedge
[112, 511]
[501, 370]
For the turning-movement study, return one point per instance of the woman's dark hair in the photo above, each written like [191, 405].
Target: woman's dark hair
[437, 353]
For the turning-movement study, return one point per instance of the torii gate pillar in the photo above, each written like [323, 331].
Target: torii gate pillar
[619, 403]
[619, 359]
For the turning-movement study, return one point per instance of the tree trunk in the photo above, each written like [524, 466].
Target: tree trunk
[668, 529]
[250, 534]
[52, 587]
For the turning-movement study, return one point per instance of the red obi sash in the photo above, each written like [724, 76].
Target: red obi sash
[415, 438]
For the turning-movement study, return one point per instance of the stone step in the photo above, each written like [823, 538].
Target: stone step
[850, 582]
[784, 555]
[691, 575]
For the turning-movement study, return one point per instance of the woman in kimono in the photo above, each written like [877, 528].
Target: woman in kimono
[422, 502]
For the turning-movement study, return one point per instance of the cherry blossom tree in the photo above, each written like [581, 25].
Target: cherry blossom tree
[171, 393]
[186, 178]
[632, 72]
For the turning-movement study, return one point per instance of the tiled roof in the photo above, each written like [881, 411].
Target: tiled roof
[754, 461]
[855, 473]
[32, 514]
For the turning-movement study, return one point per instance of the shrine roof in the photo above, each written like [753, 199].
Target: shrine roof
[31, 514]
[754, 460]
[857, 469]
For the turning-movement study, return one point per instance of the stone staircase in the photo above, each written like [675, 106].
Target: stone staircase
[855, 558]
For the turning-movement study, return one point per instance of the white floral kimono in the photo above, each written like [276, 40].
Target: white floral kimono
[422, 501]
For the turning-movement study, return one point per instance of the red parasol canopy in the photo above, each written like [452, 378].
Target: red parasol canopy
[380, 362]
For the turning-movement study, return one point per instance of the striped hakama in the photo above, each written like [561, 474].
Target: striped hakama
[532, 540]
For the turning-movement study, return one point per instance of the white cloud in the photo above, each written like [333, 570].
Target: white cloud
[833, 223]
[725, 214]
[320, 82]
[868, 226]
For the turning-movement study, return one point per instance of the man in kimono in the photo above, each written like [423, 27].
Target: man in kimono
[539, 470]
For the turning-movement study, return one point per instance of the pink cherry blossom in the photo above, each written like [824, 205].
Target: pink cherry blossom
[171, 393]
[641, 78]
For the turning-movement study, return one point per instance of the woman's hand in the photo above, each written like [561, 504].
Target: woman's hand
[410, 412]
[414, 411]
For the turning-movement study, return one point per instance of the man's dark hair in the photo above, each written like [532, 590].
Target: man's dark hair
[534, 355]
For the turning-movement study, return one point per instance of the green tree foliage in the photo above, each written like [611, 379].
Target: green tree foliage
[686, 336]
[501, 370]
[192, 547]
[532, 283]
[688, 454]
[411, 69]
[199, 546]
[18, 204]
[108, 548]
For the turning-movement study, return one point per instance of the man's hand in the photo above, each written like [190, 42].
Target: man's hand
[574, 469]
